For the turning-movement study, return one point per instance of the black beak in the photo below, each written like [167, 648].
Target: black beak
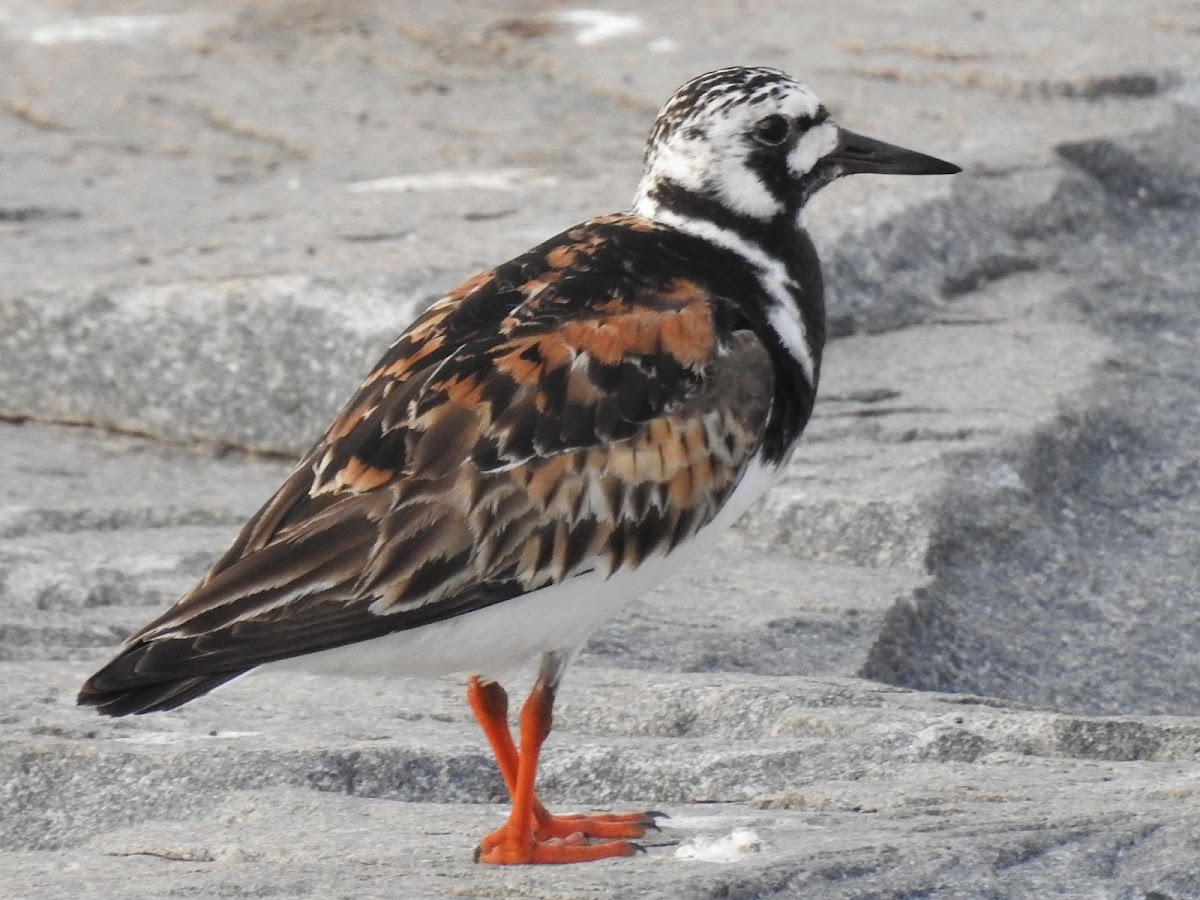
[857, 153]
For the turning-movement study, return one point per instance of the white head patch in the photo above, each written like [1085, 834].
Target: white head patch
[814, 144]
[702, 140]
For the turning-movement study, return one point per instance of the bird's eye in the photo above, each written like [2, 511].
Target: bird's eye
[772, 131]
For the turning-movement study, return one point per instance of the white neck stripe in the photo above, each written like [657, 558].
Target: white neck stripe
[784, 316]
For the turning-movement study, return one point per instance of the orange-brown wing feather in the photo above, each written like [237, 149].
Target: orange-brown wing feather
[579, 434]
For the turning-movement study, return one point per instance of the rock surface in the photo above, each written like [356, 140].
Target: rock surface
[217, 217]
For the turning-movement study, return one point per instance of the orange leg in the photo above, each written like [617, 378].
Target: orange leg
[533, 835]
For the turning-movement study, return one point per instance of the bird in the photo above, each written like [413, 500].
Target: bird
[545, 443]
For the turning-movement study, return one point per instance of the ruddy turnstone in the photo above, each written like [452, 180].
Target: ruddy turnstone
[545, 443]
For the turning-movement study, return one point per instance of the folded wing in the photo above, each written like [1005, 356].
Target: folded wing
[538, 423]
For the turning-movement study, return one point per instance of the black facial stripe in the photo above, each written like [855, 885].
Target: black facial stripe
[804, 123]
[770, 165]
[704, 207]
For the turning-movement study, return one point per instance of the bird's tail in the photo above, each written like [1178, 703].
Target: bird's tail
[117, 690]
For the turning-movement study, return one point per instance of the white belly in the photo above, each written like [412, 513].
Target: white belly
[504, 637]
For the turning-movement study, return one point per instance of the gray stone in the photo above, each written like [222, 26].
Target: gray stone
[1090, 547]
[849, 786]
[994, 503]
[193, 362]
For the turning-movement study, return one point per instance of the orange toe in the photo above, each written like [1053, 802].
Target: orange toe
[602, 825]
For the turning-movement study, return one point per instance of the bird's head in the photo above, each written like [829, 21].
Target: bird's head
[755, 144]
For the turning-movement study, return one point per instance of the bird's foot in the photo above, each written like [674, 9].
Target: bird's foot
[565, 839]
[504, 848]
